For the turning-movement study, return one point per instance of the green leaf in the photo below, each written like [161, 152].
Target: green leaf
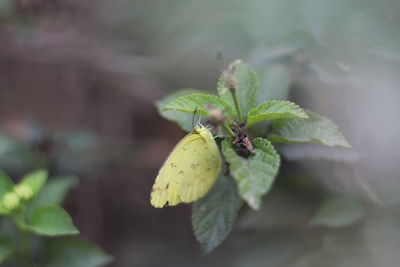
[184, 120]
[271, 110]
[55, 190]
[213, 215]
[199, 102]
[76, 252]
[35, 180]
[51, 220]
[315, 129]
[5, 183]
[247, 86]
[7, 247]
[338, 211]
[256, 174]
[53, 193]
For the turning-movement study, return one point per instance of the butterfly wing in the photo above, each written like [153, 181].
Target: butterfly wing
[165, 188]
[188, 173]
[202, 167]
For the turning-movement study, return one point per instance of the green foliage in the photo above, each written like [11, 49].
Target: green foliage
[272, 110]
[33, 206]
[35, 181]
[246, 86]
[254, 175]
[7, 247]
[5, 186]
[184, 120]
[315, 129]
[199, 103]
[75, 252]
[5, 183]
[54, 191]
[338, 211]
[252, 164]
[51, 220]
[213, 215]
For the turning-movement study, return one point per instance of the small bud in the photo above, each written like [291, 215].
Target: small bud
[10, 201]
[215, 116]
[23, 191]
[230, 81]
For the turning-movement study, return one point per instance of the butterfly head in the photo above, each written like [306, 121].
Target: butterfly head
[204, 131]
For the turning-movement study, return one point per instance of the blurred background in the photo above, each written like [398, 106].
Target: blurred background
[78, 86]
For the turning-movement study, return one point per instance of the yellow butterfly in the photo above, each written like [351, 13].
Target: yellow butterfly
[189, 171]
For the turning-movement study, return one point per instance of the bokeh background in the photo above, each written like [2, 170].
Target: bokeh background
[78, 86]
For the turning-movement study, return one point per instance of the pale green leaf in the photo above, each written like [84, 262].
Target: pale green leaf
[254, 175]
[183, 119]
[213, 215]
[76, 252]
[7, 247]
[35, 180]
[338, 211]
[51, 220]
[271, 110]
[315, 129]
[247, 86]
[199, 103]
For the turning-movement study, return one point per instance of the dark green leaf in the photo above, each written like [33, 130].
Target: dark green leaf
[315, 129]
[256, 174]
[35, 180]
[51, 220]
[184, 120]
[199, 102]
[247, 86]
[213, 216]
[76, 252]
[338, 211]
[271, 110]
[7, 247]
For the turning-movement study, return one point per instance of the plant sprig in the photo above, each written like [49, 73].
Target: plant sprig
[33, 205]
[254, 174]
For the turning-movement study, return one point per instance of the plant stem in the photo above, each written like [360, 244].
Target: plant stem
[236, 102]
[228, 129]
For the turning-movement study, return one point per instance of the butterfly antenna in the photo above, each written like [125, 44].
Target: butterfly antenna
[194, 115]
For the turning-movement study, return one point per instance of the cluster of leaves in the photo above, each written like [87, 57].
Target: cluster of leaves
[31, 209]
[214, 215]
